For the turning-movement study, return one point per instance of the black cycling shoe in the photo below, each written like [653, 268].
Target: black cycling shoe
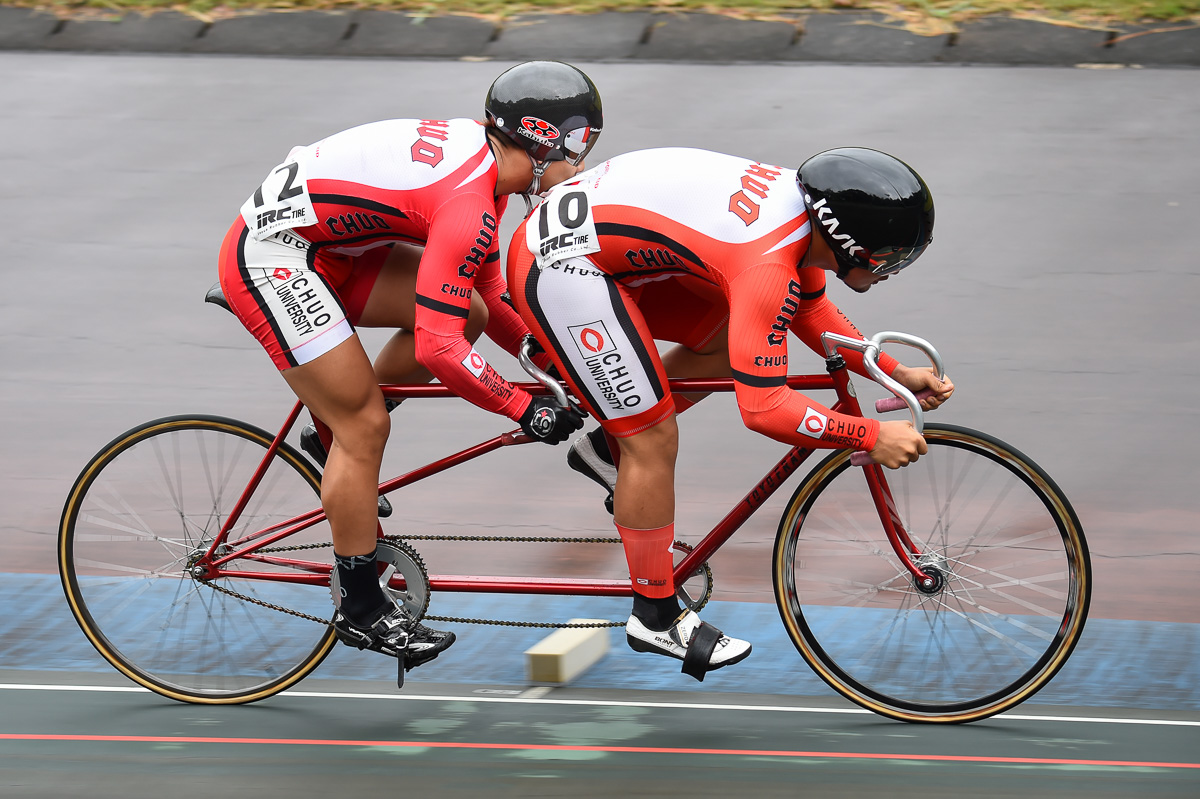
[395, 634]
[310, 442]
[590, 457]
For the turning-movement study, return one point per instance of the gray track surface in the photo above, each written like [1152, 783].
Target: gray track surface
[1060, 290]
[457, 742]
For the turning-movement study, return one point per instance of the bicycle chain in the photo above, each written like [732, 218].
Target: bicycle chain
[451, 619]
[261, 603]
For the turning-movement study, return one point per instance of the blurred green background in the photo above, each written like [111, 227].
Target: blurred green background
[922, 16]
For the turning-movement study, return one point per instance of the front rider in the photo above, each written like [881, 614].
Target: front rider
[394, 224]
[717, 253]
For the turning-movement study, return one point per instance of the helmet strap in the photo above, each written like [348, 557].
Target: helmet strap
[539, 169]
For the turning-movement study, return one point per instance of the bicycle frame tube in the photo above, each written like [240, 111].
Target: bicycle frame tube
[313, 573]
[281, 530]
[750, 503]
[236, 513]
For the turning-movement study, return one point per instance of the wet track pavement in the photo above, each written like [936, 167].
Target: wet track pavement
[462, 741]
[1059, 290]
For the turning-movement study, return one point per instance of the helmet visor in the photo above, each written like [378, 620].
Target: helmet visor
[889, 261]
[578, 143]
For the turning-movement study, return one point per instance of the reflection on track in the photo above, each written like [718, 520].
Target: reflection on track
[640, 744]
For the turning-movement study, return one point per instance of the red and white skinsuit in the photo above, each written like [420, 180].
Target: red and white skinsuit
[299, 263]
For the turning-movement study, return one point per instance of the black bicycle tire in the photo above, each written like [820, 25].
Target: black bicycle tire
[78, 605]
[999, 701]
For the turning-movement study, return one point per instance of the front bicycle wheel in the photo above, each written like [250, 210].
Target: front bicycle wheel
[1011, 595]
[142, 510]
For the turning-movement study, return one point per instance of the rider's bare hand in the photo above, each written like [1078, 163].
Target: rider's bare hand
[920, 379]
[898, 444]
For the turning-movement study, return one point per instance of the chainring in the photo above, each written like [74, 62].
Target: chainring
[397, 558]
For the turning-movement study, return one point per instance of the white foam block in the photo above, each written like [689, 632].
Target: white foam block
[566, 653]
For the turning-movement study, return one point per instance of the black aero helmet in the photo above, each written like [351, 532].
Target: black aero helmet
[872, 209]
[550, 109]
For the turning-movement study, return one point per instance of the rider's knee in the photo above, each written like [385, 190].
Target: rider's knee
[658, 443]
[377, 423]
[365, 433]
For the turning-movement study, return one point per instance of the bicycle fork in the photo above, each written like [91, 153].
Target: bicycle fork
[929, 579]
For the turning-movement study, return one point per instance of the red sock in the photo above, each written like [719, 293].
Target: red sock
[651, 565]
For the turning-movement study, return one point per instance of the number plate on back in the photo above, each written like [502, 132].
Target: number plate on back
[280, 203]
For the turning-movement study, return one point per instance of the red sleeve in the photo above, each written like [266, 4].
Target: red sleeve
[505, 326]
[462, 237]
[818, 314]
[764, 300]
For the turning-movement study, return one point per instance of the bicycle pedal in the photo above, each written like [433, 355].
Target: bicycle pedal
[385, 508]
[608, 504]
[408, 662]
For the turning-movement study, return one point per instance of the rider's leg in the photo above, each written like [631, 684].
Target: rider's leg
[597, 337]
[710, 359]
[694, 314]
[317, 352]
[340, 388]
[691, 312]
[381, 292]
[391, 302]
[644, 514]
[592, 454]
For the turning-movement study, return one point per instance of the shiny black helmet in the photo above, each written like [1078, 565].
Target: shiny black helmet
[550, 109]
[872, 209]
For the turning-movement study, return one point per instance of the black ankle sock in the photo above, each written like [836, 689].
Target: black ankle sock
[362, 598]
[600, 445]
[656, 614]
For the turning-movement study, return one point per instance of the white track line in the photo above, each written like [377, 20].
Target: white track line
[596, 703]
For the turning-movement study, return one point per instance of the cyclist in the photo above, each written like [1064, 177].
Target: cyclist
[394, 224]
[717, 253]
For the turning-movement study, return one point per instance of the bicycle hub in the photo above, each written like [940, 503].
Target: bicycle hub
[935, 581]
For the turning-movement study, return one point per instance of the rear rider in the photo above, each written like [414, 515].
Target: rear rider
[717, 253]
[394, 224]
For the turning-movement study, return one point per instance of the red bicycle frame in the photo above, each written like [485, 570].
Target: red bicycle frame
[246, 547]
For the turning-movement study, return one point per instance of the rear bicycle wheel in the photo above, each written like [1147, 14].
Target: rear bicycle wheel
[142, 509]
[1014, 580]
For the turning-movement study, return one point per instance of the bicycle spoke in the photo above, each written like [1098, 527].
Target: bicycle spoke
[1005, 592]
[149, 512]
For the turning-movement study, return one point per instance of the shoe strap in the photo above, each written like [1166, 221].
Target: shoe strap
[700, 649]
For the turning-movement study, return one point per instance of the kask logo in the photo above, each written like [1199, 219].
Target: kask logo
[831, 225]
[813, 424]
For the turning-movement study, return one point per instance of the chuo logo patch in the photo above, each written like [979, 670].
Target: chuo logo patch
[814, 423]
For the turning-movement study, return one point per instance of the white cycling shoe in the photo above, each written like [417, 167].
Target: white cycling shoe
[701, 647]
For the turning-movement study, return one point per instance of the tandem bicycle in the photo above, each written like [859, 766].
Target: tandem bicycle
[196, 558]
